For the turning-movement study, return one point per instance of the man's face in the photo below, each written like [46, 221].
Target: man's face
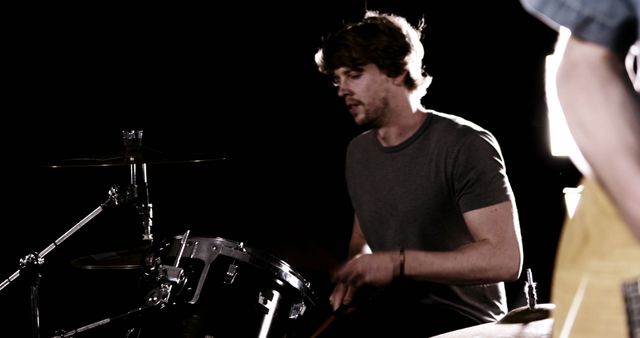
[365, 91]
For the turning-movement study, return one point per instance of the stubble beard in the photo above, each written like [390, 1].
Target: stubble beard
[376, 116]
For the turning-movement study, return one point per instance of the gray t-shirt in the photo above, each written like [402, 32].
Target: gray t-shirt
[413, 196]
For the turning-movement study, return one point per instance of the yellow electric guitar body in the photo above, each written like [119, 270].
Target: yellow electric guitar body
[596, 274]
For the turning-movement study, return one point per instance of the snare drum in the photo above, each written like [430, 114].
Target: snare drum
[232, 290]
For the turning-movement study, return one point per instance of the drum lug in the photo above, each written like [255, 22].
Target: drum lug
[269, 299]
[232, 271]
[297, 310]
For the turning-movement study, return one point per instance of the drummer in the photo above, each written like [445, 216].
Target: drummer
[435, 231]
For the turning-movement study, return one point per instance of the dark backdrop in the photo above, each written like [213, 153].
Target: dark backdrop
[237, 83]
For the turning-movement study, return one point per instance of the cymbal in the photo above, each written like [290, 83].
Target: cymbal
[144, 156]
[525, 314]
[127, 259]
[535, 329]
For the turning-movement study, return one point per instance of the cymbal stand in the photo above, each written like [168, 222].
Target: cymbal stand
[532, 311]
[530, 291]
[156, 299]
[135, 312]
[30, 264]
[168, 277]
[133, 155]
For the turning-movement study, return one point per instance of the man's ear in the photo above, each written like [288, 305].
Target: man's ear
[399, 80]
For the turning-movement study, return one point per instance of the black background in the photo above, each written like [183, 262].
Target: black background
[236, 82]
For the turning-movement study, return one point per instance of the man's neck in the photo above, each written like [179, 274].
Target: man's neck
[401, 127]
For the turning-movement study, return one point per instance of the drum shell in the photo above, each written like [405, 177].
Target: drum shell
[231, 290]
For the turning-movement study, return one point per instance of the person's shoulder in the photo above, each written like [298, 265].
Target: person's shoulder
[461, 131]
[455, 122]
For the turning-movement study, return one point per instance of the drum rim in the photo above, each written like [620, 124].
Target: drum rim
[285, 271]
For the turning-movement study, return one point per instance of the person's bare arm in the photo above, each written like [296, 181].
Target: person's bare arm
[603, 115]
[495, 255]
[343, 293]
[358, 244]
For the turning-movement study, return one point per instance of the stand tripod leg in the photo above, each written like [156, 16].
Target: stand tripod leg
[35, 312]
[127, 315]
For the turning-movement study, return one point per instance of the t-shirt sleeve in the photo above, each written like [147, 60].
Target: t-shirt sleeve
[481, 177]
[610, 23]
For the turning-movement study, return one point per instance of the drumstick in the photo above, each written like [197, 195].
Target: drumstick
[366, 296]
[339, 312]
[324, 326]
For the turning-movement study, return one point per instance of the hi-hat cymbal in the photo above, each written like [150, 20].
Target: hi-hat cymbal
[127, 259]
[146, 156]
